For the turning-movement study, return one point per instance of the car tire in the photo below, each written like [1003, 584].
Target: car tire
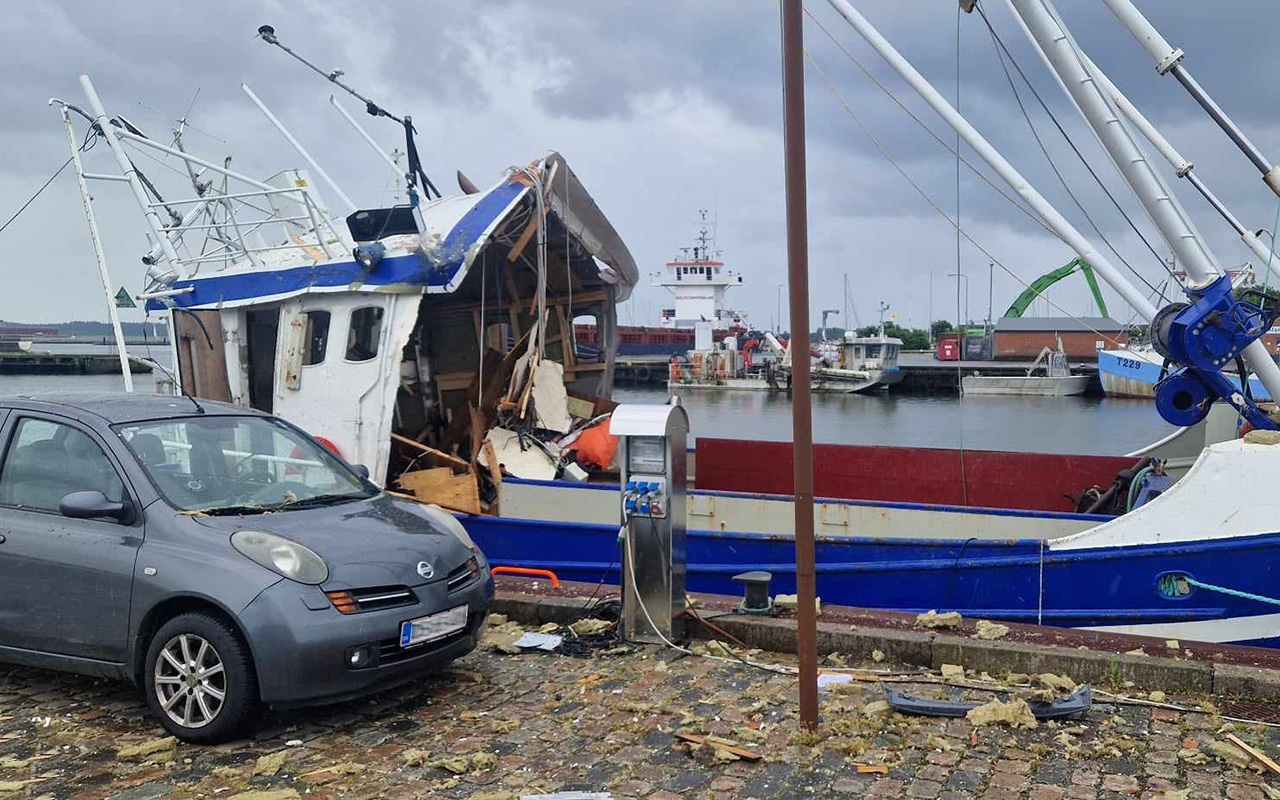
[205, 675]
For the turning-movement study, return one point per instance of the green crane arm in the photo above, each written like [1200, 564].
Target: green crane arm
[1039, 285]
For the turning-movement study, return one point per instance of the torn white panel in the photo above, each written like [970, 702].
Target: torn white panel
[826, 679]
[578, 211]
[550, 401]
[539, 641]
[530, 461]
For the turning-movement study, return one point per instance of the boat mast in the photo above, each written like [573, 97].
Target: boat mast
[1062, 52]
[1051, 216]
[1183, 167]
[1169, 59]
[297, 146]
[98, 253]
[113, 137]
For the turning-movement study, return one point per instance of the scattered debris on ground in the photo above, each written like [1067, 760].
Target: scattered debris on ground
[644, 722]
[990, 630]
[932, 619]
[1014, 713]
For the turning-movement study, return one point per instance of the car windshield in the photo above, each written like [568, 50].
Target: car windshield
[246, 465]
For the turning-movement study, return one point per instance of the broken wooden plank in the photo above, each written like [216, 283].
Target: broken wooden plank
[567, 355]
[745, 755]
[442, 487]
[424, 478]
[478, 428]
[529, 230]
[1257, 754]
[491, 461]
[439, 454]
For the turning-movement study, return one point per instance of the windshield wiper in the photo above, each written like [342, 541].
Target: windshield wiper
[221, 511]
[320, 500]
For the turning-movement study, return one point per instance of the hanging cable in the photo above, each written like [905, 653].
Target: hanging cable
[937, 208]
[1071, 142]
[90, 139]
[923, 126]
[1053, 166]
[33, 197]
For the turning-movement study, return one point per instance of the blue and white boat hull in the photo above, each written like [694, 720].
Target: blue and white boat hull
[1134, 373]
[1107, 576]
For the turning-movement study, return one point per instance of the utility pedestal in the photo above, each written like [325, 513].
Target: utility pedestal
[654, 468]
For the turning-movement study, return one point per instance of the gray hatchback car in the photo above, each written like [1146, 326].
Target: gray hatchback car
[220, 559]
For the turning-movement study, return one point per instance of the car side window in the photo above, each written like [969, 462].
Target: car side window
[48, 460]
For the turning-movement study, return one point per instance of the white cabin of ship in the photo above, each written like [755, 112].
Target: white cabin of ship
[398, 321]
[870, 352]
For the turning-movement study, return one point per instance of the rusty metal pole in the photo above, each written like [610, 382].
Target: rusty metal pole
[801, 396]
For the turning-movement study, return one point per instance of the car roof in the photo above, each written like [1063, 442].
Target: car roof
[121, 407]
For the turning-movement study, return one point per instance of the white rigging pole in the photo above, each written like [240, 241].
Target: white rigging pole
[1058, 223]
[87, 199]
[1093, 100]
[113, 136]
[1182, 166]
[1169, 59]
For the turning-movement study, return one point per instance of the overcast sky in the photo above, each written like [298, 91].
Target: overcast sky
[662, 108]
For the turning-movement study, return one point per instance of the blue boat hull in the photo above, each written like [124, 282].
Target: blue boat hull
[1013, 580]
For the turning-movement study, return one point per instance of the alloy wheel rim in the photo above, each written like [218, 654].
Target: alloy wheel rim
[190, 681]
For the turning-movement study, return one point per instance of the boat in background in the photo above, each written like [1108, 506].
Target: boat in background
[1134, 372]
[1057, 380]
[850, 365]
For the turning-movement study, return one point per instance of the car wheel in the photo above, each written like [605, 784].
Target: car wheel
[199, 679]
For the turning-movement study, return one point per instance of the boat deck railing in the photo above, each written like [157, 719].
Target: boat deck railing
[240, 228]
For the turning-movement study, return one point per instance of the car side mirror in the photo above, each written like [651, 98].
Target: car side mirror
[95, 505]
[361, 470]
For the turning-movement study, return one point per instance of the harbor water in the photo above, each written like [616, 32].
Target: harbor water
[1080, 425]
[1085, 425]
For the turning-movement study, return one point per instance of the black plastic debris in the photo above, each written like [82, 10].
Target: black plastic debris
[1078, 702]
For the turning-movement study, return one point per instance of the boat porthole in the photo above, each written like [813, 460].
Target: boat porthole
[1173, 585]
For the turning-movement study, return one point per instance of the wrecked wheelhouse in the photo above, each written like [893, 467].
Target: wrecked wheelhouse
[400, 336]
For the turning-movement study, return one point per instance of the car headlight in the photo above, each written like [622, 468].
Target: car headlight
[450, 523]
[282, 556]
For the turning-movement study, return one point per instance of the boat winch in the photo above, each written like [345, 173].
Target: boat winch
[1202, 338]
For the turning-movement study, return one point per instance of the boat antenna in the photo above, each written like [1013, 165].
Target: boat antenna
[268, 34]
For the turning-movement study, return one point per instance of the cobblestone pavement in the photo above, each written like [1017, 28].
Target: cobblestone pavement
[497, 726]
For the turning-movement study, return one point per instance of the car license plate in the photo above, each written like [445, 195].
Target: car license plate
[436, 626]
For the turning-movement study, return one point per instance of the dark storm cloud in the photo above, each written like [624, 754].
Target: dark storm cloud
[662, 108]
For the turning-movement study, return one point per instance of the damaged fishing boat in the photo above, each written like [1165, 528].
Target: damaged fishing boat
[432, 341]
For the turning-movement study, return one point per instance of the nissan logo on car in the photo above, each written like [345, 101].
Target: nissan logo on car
[426, 570]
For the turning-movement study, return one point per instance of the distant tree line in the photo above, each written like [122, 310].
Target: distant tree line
[912, 338]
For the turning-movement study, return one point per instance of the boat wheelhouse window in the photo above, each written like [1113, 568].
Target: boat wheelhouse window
[873, 351]
[708, 273]
[317, 338]
[364, 334]
[370, 225]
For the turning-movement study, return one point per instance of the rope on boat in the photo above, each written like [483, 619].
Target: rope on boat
[1221, 589]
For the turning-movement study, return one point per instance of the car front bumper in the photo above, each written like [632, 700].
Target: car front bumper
[301, 644]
